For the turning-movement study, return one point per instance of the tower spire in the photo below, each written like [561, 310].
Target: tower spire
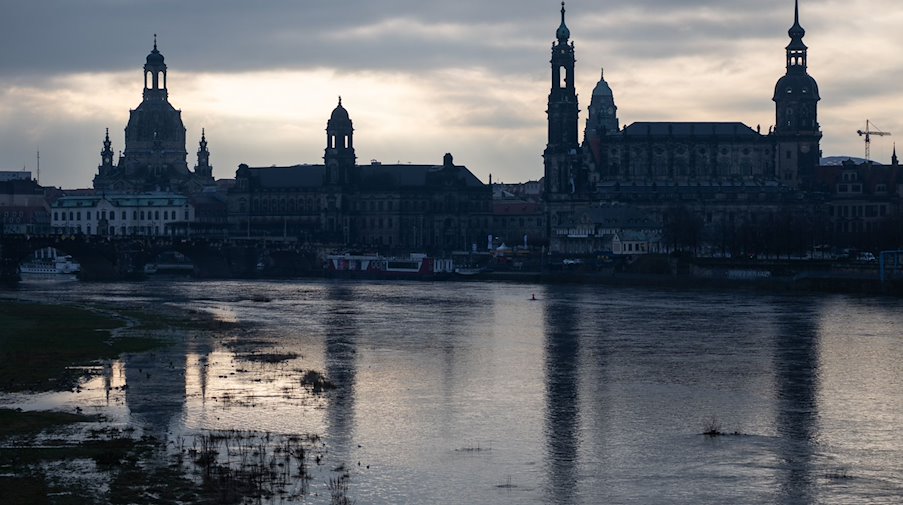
[893, 159]
[560, 155]
[106, 155]
[796, 50]
[563, 33]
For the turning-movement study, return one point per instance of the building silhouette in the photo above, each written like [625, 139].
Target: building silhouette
[432, 207]
[722, 175]
[155, 158]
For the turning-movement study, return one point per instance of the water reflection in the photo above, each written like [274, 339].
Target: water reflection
[796, 365]
[155, 395]
[562, 418]
[588, 395]
[339, 360]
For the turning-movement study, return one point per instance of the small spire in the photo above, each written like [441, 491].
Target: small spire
[340, 100]
[107, 137]
[796, 31]
[203, 135]
[603, 74]
[155, 42]
[563, 32]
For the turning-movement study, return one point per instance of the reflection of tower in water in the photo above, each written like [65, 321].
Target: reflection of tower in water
[562, 398]
[339, 361]
[156, 388]
[796, 365]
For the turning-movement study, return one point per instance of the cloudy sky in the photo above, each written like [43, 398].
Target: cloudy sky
[422, 78]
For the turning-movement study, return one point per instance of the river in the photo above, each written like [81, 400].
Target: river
[474, 393]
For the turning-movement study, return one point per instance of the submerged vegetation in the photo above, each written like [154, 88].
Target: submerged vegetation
[712, 428]
[316, 381]
[42, 346]
[63, 458]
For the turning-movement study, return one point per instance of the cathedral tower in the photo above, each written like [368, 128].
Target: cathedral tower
[203, 168]
[339, 157]
[106, 155]
[796, 99]
[603, 113]
[560, 157]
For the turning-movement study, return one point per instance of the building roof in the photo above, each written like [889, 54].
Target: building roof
[298, 176]
[375, 175]
[689, 129]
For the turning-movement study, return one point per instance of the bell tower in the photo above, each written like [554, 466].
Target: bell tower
[203, 169]
[106, 155]
[155, 75]
[561, 158]
[796, 98]
[339, 156]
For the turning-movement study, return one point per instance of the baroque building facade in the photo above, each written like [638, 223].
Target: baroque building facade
[720, 175]
[155, 158]
[432, 208]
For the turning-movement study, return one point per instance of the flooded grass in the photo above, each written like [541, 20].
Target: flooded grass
[62, 458]
[234, 464]
[43, 345]
[19, 423]
[267, 357]
[316, 381]
[222, 467]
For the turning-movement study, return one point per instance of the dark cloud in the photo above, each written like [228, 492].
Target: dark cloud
[638, 42]
[61, 36]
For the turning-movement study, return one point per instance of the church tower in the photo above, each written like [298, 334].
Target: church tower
[339, 156]
[603, 113]
[203, 169]
[796, 131]
[561, 157]
[155, 75]
[106, 155]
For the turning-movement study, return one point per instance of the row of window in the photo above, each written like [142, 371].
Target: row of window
[634, 247]
[516, 221]
[291, 205]
[849, 188]
[858, 211]
[640, 152]
[102, 214]
[112, 230]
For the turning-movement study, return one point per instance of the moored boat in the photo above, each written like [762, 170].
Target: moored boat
[415, 266]
[46, 266]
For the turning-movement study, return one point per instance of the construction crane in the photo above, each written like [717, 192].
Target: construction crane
[868, 139]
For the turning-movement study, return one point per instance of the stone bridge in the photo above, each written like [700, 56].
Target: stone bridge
[124, 258]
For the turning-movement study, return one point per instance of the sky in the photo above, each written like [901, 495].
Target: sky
[420, 79]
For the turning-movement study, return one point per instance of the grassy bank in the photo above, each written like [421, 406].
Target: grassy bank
[39, 345]
[66, 458]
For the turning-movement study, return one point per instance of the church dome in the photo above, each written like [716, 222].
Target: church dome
[155, 59]
[602, 88]
[563, 32]
[796, 85]
[339, 113]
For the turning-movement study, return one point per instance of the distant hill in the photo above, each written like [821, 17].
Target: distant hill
[831, 161]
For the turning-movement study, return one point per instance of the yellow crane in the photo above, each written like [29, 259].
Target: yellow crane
[868, 139]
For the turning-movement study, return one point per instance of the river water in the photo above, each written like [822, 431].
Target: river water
[474, 393]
